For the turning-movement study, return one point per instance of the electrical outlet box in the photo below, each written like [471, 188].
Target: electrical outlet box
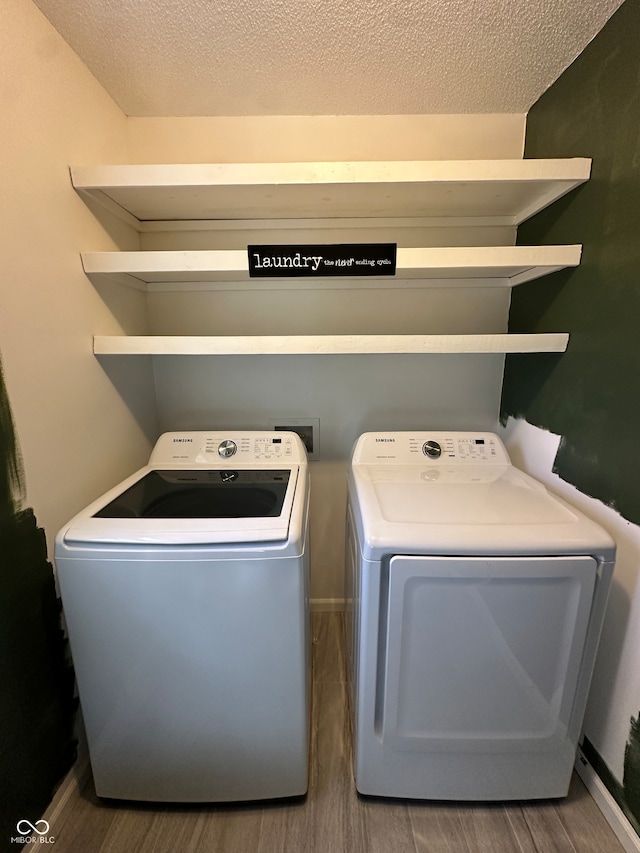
[307, 428]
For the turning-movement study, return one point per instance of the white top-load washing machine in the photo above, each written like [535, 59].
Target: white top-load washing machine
[185, 593]
[475, 601]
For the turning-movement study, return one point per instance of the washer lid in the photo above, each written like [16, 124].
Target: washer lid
[191, 506]
[222, 493]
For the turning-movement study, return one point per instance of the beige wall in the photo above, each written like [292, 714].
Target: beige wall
[265, 139]
[78, 432]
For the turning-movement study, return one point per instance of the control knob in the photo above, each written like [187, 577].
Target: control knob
[227, 448]
[431, 449]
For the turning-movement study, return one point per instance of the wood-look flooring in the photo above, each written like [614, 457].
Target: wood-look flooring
[333, 818]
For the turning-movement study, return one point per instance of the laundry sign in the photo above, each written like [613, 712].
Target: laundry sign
[347, 259]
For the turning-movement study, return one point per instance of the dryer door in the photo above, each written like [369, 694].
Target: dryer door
[483, 654]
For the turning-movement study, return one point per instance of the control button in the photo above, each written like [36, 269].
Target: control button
[432, 449]
[227, 448]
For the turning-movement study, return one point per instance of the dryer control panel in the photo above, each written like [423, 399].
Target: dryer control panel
[216, 449]
[450, 448]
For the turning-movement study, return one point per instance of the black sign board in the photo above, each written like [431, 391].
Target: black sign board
[352, 259]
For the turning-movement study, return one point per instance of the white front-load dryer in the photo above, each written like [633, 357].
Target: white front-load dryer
[475, 601]
[185, 594]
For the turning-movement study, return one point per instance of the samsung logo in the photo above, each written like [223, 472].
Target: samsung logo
[182, 441]
[385, 440]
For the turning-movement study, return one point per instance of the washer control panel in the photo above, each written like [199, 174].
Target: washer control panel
[216, 448]
[406, 448]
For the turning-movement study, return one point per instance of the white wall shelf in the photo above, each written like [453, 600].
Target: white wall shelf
[494, 191]
[197, 197]
[504, 266]
[326, 344]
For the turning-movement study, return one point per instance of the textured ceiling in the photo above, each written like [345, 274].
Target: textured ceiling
[326, 57]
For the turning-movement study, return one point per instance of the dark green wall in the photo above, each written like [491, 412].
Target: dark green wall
[36, 681]
[589, 395]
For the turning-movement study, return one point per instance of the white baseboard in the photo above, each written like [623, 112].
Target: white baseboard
[612, 812]
[327, 605]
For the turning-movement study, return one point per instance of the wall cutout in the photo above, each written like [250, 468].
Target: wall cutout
[37, 707]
